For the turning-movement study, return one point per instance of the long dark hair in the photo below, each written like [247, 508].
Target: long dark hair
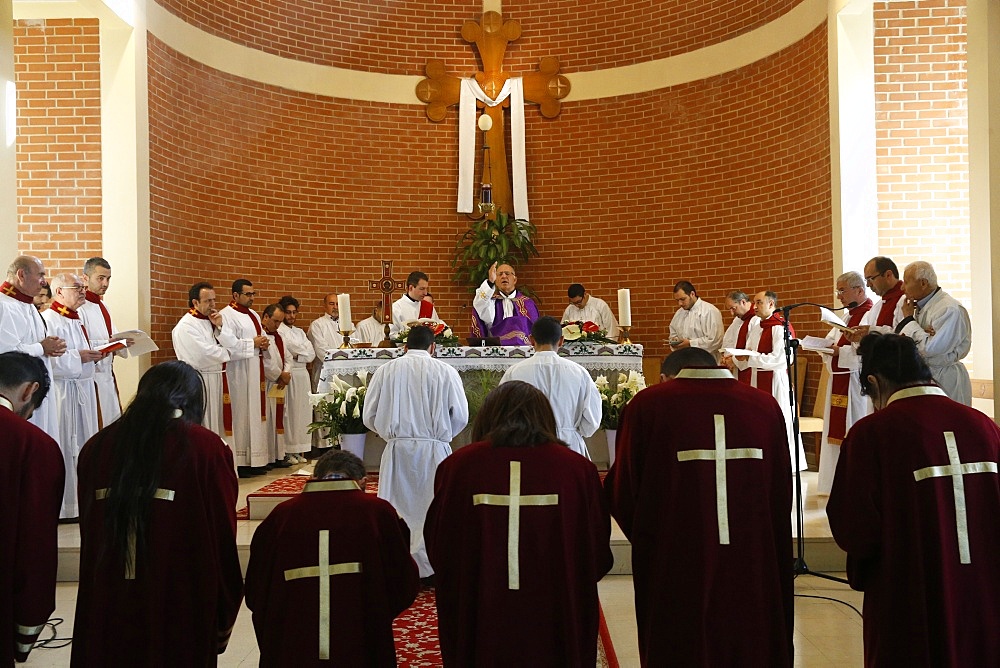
[515, 415]
[142, 430]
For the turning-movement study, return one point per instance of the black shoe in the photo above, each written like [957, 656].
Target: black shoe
[259, 470]
[269, 466]
[428, 581]
[244, 471]
[282, 463]
[69, 520]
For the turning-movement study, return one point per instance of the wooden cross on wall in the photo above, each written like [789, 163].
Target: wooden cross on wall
[545, 88]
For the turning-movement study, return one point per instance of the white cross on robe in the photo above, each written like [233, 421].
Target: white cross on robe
[956, 469]
[323, 571]
[515, 501]
[162, 494]
[720, 455]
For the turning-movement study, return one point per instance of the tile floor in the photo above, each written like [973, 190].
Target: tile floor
[827, 633]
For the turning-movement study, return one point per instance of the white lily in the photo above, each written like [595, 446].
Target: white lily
[363, 377]
[350, 394]
[601, 382]
[343, 409]
[316, 399]
[622, 379]
[357, 411]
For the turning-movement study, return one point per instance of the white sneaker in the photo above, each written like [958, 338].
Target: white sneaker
[301, 459]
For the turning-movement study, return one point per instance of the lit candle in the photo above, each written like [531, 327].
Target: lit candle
[624, 307]
[344, 306]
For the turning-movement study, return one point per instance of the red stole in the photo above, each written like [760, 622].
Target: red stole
[67, 312]
[279, 413]
[227, 404]
[840, 379]
[260, 357]
[743, 375]
[95, 298]
[766, 345]
[889, 301]
[426, 309]
[8, 289]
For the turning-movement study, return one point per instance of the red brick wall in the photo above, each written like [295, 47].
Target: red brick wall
[399, 36]
[57, 73]
[922, 138]
[724, 182]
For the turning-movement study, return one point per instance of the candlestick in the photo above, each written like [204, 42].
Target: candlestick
[624, 307]
[346, 333]
[344, 306]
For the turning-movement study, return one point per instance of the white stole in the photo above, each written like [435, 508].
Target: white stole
[470, 92]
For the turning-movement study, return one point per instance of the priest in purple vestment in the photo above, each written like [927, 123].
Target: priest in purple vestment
[500, 311]
[330, 569]
[31, 490]
[518, 535]
[915, 503]
[160, 579]
[701, 488]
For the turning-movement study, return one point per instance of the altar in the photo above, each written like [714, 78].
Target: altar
[597, 358]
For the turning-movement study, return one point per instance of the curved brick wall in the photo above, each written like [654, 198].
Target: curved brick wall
[724, 182]
[399, 37]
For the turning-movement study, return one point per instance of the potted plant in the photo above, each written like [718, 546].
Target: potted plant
[613, 401]
[340, 412]
[504, 240]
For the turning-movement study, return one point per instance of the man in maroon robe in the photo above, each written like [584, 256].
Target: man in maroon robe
[329, 571]
[31, 484]
[701, 488]
[518, 535]
[915, 503]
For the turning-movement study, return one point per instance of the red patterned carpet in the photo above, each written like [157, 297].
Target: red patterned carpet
[293, 484]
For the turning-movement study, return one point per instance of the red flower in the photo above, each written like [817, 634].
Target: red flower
[590, 327]
[438, 328]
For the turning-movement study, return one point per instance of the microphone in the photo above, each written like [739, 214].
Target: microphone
[829, 308]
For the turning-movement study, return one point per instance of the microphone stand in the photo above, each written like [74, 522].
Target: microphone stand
[799, 565]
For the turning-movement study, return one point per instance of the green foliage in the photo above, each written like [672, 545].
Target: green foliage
[478, 383]
[506, 240]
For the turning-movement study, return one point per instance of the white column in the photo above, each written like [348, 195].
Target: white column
[984, 184]
[8, 128]
[852, 134]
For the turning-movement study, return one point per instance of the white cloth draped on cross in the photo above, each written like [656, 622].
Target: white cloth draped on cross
[470, 92]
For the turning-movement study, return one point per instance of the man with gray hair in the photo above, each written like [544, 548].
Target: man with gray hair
[22, 328]
[744, 320]
[72, 380]
[844, 403]
[97, 319]
[940, 326]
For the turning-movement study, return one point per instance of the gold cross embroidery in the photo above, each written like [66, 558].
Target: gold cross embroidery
[515, 501]
[956, 469]
[720, 455]
[163, 494]
[323, 571]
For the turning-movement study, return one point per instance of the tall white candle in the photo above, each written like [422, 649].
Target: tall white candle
[344, 306]
[624, 307]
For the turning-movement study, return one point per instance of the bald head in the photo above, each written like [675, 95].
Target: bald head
[27, 274]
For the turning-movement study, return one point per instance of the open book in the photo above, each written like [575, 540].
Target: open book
[141, 345]
[834, 320]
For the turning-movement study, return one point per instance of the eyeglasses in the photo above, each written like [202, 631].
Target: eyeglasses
[249, 294]
[841, 291]
[869, 279]
[74, 288]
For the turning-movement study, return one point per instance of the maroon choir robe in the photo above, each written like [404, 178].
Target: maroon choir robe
[179, 606]
[31, 489]
[517, 582]
[344, 618]
[711, 539]
[930, 573]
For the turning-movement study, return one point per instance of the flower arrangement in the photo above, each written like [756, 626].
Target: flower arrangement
[585, 332]
[443, 336]
[341, 408]
[614, 398]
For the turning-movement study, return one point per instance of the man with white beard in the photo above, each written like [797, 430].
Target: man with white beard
[22, 328]
[72, 381]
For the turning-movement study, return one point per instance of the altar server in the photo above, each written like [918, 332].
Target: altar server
[940, 326]
[844, 402]
[585, 307]
[96, 318]
[569, 388]
[417, 404]
[22, 328]
[882, 276]
[371, 577]
[298, 410]
[915, 504]
[31, 492]
[414, 304]
[202, 339]
[324, 333]
[704, 499]
[245, 376]
[160, 579]
[72, 380]
[278, 372]
[696, 323]
[519, 535]
[769, 369]
[744, 320]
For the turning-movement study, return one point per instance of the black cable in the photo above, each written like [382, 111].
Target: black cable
[835, 600]
[48, 643]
